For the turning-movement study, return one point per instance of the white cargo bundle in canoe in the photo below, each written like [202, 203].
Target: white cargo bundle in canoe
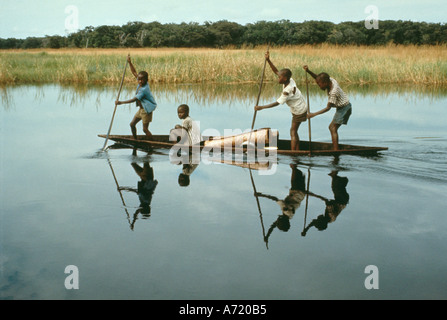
[259, 138]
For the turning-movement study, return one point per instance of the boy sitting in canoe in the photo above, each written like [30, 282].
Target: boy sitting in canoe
[337, 99]
[294, 99]
[144, 100]
[188, 131]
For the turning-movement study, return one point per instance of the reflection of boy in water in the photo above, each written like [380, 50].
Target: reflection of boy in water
[183, 178]
[145, 190]
[333, 207]
[188, 169]
[290, 203]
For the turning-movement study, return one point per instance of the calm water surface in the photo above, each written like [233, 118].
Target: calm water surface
[65, 203]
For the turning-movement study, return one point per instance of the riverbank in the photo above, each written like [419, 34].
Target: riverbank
[391, 64]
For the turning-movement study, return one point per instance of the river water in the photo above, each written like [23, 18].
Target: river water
[228, 233]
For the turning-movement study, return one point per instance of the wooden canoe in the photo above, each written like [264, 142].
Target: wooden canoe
[283, 146]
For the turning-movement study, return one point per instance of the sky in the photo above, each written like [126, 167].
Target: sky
[35, 18]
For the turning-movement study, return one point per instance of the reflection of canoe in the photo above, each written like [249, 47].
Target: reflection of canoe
[245, 163]
[283, 146]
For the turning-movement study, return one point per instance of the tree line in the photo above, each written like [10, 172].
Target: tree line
[226, 33]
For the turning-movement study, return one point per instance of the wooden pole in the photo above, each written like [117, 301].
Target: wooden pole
[257, 101]
[308, 111]
[259, 94]
[114, 110]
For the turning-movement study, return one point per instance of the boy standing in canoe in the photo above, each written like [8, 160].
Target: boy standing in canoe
[336, 99]
[144, 100]
[294, 99]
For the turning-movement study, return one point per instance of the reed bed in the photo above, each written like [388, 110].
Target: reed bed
[390, 64]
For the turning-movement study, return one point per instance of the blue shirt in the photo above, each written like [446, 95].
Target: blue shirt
[144, 95]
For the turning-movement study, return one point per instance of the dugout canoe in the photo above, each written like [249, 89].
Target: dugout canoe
[283, 146]
[259, 137]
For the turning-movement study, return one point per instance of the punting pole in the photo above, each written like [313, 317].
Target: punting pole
[308, 111]
[259, 96]
[114, 110]
[260, 90]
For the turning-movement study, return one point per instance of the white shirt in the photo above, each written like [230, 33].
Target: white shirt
[294, 99]
[291, 203]
[193, 130]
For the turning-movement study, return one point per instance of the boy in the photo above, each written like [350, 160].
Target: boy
[144, 100]
[337, 99]
[188, 130]
[291, 202]
[294, 99]
[333, 207]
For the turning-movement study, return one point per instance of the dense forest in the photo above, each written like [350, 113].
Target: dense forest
[225, 33]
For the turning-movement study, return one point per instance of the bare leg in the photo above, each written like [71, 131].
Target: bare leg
[295, 139]
[146, 130]
[133, 126]
[333, 128]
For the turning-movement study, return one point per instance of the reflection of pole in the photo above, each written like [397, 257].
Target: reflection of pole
[307, 197]
[118, 188]
[259, 207]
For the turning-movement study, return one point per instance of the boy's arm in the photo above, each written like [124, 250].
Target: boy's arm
[128, 189]
[132, 68]
[272, 105]
[272, 66]
[117, 102]
[310, 72]
[318, 196]
[259, 194]
[328, 107]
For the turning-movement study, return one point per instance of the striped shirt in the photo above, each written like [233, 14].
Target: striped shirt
[336, 96]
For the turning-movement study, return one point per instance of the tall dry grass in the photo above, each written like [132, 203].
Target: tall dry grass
[348, 64]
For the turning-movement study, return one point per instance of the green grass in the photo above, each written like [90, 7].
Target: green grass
[352, 65]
